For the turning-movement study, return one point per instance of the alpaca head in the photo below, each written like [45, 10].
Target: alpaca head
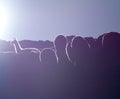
[13, 41]
[60, 42]
[15, 44]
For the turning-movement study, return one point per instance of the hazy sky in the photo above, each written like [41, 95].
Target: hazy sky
[45, 19]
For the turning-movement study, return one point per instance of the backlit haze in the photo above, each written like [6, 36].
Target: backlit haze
[45, 19]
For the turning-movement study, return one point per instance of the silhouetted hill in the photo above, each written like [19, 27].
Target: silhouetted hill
[5, 45]
[37, 44]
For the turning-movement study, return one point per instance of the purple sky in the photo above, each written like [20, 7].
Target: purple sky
[45, 19]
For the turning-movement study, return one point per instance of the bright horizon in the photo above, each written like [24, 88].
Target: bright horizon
[45, 19]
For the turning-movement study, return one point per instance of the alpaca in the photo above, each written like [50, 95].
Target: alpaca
[19, 49]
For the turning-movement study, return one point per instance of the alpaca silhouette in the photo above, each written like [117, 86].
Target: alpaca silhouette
[48, 57]
[19, 49]
[77, 50]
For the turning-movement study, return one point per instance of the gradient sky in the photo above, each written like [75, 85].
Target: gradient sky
[45, 19]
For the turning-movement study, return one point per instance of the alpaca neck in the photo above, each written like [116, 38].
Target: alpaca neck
[17, 47]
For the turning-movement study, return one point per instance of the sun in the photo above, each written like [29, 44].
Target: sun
[3, 20]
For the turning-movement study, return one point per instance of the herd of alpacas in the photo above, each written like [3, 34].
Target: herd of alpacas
[73, 68]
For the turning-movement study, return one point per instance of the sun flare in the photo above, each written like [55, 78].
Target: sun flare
[3, 20]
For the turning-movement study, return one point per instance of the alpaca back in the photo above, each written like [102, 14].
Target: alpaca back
[19, 49]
